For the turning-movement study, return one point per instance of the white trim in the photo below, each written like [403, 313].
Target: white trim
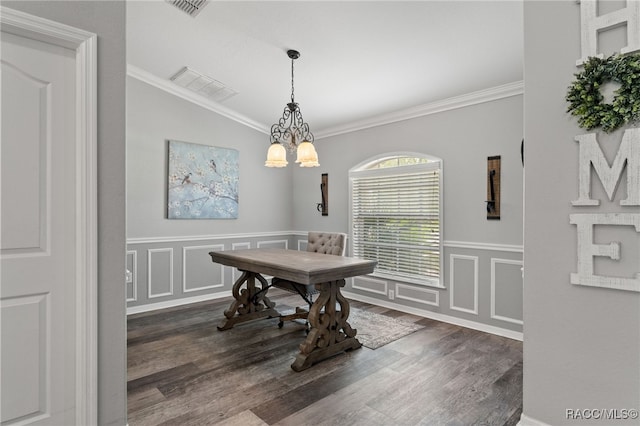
[184, 268]
[495, 261]
[84, 44]
[175, 239]
[134, 281]
[452, 306]
[530, 421]
[435, 164]
[149, 284]
[499, 92]
[241, 246]
[448, 243]
[177, 302]
[419, 290]
[267, 242]
[172, 88]
[484, 246]
[515, 335]
[474, 98]
[368, 289]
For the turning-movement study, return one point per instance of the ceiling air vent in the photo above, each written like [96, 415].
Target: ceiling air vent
[190, 7]
[203, 85]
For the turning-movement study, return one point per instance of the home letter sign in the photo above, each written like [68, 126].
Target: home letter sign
[591, 157]
[587, 250]
[628, 153]
[592, 24]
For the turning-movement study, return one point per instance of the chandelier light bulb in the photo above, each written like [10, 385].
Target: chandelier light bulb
[307, 155]
[276, 156]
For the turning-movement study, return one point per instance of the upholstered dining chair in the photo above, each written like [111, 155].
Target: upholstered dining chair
[334, 243]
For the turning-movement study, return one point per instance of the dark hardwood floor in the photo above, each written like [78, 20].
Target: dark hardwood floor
[183, 371]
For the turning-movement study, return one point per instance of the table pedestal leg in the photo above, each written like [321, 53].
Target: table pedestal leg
[249, 303]
[330, 332]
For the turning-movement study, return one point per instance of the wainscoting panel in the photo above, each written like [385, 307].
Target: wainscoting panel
[417, 294]
[159, 279]
[241, 246]
[482, 289]
[235, 274]
[463, 283]
[160, 272]
[370, 285]
[281, 244]
[482, 282]
[198, 271]
[131, 278]
[506, 290]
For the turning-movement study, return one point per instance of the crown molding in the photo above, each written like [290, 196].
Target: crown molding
[174, 89]
[473, 98]
[469, 99]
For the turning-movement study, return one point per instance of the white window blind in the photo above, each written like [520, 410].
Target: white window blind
[396, 220]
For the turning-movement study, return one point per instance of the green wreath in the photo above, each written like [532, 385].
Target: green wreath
[586, 101]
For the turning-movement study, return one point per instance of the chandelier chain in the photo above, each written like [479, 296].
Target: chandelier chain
[292, 98]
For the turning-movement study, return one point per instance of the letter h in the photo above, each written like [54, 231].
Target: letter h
[592, 24]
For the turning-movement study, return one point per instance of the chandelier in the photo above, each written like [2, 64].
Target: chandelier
[291, 133]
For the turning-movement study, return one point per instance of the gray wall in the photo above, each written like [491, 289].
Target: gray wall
[107, 20]
[482, 259]
[463, 138]
[153, 116]
[581, 347]
[169, 258]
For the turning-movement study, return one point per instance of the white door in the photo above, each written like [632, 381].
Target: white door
[39, 279]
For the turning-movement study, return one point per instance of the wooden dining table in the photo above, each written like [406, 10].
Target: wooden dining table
[330, 332]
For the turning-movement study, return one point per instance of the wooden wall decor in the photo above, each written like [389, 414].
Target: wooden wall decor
[323, 207]
[493, 187]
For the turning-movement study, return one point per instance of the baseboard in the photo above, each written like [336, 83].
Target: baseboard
[530, 421]
[176, 302]
[515, 335]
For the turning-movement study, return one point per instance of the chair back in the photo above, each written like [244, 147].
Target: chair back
[327, 242]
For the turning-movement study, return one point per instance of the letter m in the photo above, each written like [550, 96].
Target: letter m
[628, 154]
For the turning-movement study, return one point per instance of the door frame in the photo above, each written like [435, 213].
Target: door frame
[84, 44]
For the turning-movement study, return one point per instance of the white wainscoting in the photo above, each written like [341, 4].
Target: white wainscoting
[176, 302]
[469, 281]
[235, 274]
[470, 284]
[240, 246]
[371, 285]
[198, 278]
[517, 292]
[200, 262]
[281, 244]
[417, 294]
[132, 263]
[167, 279]
[498, 331]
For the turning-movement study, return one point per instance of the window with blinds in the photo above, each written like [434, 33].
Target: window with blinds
[396, 218]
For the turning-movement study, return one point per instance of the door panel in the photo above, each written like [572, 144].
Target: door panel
[38, 225]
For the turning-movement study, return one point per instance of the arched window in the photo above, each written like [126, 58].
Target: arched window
[396, 216]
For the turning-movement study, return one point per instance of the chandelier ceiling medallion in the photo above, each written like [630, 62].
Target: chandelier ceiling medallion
[291, 133]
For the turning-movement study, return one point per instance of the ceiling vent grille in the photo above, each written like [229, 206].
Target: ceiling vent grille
[190, 7]
[203, 85]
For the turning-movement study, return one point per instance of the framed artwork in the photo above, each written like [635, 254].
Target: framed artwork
[203, 181]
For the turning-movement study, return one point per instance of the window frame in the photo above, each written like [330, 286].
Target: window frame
[363, 170]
